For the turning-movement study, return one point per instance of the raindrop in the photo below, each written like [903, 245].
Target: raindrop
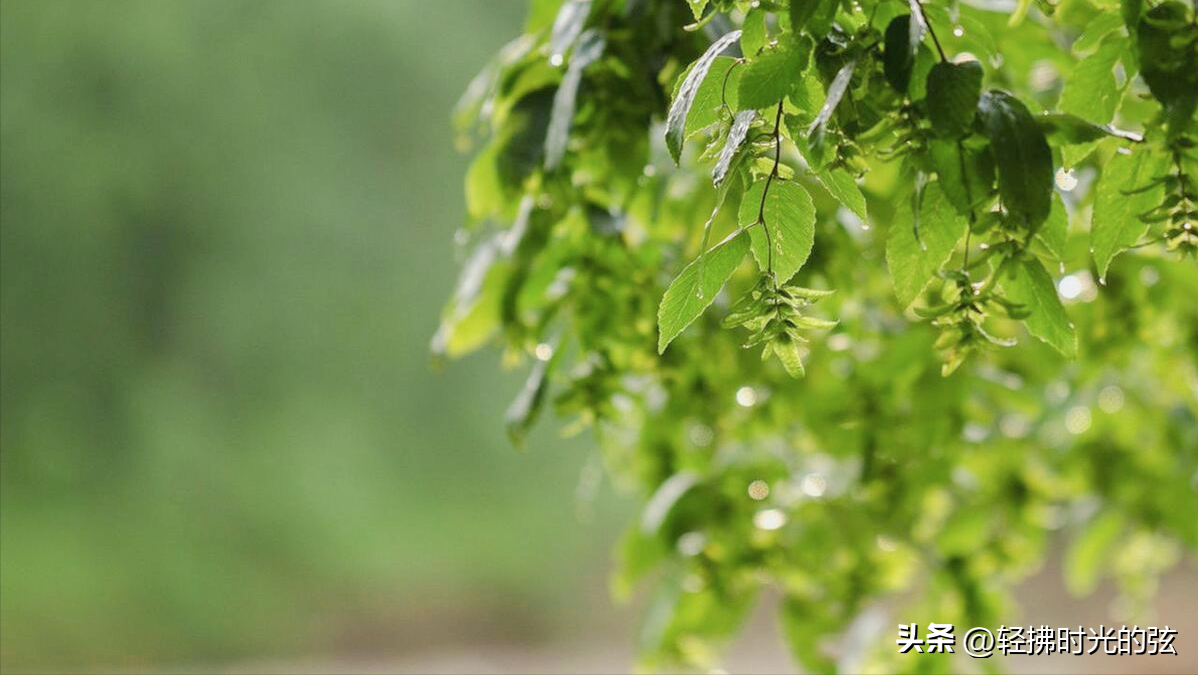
[1070, 287]
[556, 60]
[691, 544]
[1078, 419]
[759, 490]
[959, 31]
[1066, 180]
[814, 485]
[769, 519]
[1111, 399]
[746, 397]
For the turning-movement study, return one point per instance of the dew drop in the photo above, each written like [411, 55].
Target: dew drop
[958, 31]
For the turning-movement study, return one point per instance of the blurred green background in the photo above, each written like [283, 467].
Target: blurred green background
[226, 232]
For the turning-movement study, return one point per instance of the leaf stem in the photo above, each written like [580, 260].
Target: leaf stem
[936, 41]
[769, 256]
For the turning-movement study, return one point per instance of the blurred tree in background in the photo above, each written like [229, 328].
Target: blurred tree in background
[221, 436]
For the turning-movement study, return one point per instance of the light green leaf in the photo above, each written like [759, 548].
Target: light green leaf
[1031, 285]
[844, 188]
[953, 92]
[753, 37]
[1099, 27]
[1022, 156]
[681, 105]
[790, 216]
[1055, 231]
[789, 353]
[1115, 226]
[691, 292]
[770, 76]
[914, 262]
[1091, 91]
[708, 106]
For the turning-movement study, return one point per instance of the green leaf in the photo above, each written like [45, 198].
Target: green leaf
[1022, 156]
[590, 48]
[1090, 90]
[770, 76]
[680, 107]
[1065, 129]
[736, 137]
[953, 92]
[663, 500]
[897, 56]
[568, 25]
[1099, 27]
[913, 263]
[790, 216]
[691, 292]
[1055, 232]
[708, 106]
[844, 188]
[836, 90]
[1115, 226]
[1167, 46]
[753, 36]
[697, 7]
[1031, 286]
[473, 314]
[802, 11]
[789, 353]
[523, 411]
[966, 173]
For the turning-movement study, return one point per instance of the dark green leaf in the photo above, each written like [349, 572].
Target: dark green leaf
[1022, 156]
[966, 173]
[898, 57]
[691, 292]
[953, 92]
[1031, 286]
[680, 107]
[790, 216]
